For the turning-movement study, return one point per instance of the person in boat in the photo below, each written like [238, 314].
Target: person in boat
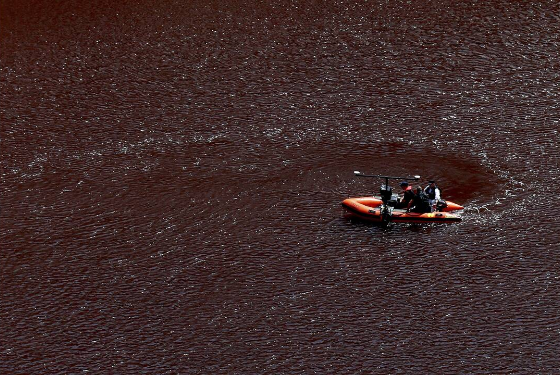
[420, 202]
[434, 195]
[433, 192]
[407, 196]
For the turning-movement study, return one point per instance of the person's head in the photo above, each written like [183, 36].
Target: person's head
[418, 190]
[404, 185]
[432, 183]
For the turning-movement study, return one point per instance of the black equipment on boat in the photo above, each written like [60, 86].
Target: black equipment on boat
[386, 193]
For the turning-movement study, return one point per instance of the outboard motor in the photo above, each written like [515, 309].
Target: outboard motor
[386, 193]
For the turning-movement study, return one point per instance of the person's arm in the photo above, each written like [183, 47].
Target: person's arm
[437, 194]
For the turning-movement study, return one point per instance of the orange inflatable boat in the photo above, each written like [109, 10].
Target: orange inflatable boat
[381, 208]
[369, 209]
[375, 201]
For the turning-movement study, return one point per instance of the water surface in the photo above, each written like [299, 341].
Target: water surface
[171, 177]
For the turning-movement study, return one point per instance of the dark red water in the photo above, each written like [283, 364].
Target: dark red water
[172, 172]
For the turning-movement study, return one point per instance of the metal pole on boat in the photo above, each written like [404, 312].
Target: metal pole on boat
[387, 177]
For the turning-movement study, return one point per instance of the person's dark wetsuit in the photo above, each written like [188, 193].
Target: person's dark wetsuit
[420, 202]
